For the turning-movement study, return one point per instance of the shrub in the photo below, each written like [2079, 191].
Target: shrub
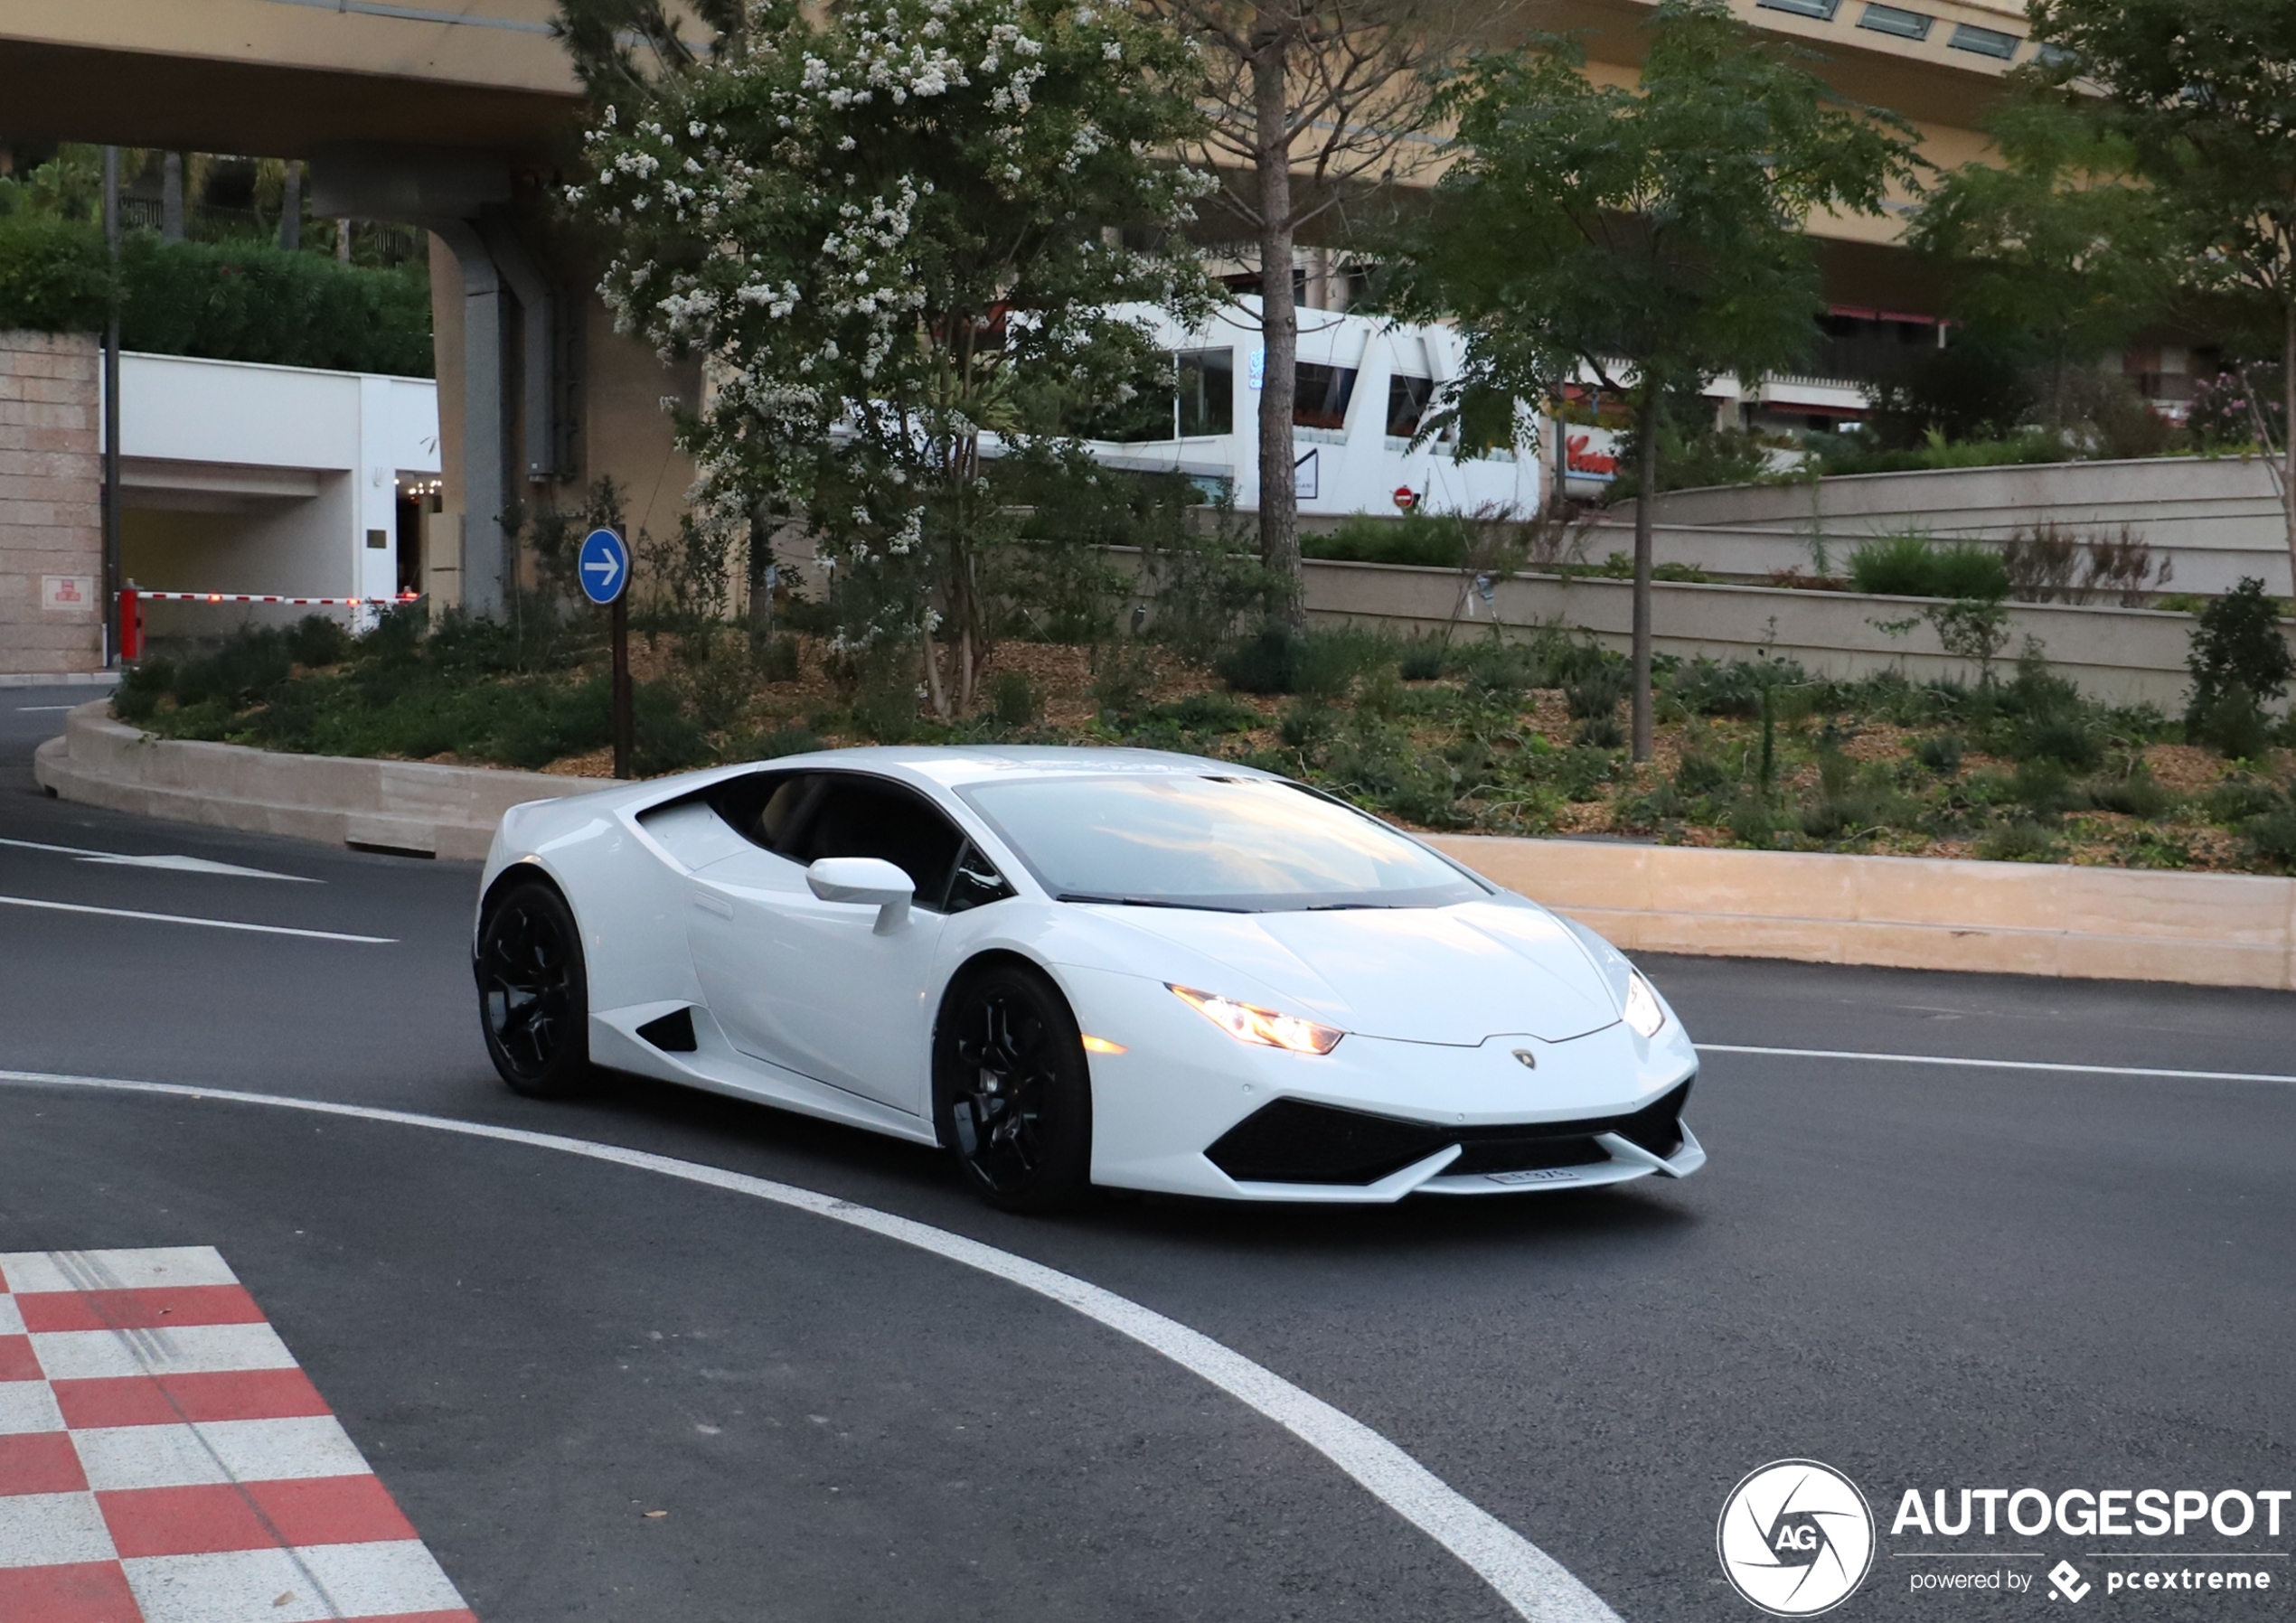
[2019, 841]
[1207, 713]
[2237, 646]
[1912, 566]
[2233, 724]
[780, 661]
[2272, 837]
[1012, 698]
[1596, 693]
[1735, 688]
[1436, 540]
[248, 301]
[54, 276]
[1751, 822]
[2044, 787]
[2068, 742]
[1266, 661]
[1307, 727]
[2138, 795]
[1700, 773]
[1599, 732]
[2236, 799]
[779, 741]
[316, 640]
[1420, 661]
[1942, 754]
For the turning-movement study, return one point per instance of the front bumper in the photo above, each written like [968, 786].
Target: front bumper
[1187, 1110]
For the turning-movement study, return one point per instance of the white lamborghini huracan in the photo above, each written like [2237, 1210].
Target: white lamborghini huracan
[1075, 966]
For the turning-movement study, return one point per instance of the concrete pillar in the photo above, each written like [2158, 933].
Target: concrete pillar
[485, 489]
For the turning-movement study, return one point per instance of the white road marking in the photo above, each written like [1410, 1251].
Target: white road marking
[308, 1582]
[1526, 1577]
[31, 1272]
[2000, 1064]
[42, 709]
[210, 1451]
[194, 1350]
[51, 1530]
[181, 865]
[212, 924]
[27, 1406]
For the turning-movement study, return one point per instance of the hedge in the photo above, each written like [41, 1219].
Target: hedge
[221, 301]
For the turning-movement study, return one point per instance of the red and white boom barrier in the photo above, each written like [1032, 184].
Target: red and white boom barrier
[133, 598]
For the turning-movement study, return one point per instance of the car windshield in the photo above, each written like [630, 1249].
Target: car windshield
[1246, 845]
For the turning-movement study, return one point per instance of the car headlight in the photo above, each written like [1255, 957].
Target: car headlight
[1643, 1011]
[1267, 1028]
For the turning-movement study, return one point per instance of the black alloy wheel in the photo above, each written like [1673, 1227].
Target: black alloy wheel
[1012, 1093]
[533, 997]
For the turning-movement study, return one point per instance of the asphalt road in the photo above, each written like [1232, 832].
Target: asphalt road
[1924, 1276]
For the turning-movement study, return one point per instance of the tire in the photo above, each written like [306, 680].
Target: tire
[534, 992]
[1012, 1093]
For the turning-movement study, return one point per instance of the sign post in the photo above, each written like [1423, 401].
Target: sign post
[603, 567]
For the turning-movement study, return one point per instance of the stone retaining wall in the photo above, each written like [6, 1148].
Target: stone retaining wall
[395, 805]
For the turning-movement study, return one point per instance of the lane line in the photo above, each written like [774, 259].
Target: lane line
[175, 864]
[1526, 1577]
[2000, 1064]
[42, 709]
[212, 924]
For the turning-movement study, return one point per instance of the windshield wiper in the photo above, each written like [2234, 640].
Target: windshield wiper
[1077, 895]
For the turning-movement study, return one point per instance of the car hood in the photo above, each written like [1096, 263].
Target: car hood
[1453, 975]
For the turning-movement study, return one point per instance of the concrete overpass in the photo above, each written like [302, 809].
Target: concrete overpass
[454, 115]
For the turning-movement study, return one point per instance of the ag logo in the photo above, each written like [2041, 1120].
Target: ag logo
[1796, 1538]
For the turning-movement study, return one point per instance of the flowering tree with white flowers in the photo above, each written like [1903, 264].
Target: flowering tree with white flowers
[896, 232]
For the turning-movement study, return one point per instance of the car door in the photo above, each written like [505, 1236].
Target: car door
[808, 985]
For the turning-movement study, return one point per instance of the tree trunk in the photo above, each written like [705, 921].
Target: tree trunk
[171, 197]
[1647, 429]
[2288, 429]
[291, 207]
[1279, 507]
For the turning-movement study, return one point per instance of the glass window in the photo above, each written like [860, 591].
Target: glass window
[806, 816]
[1207, 392]
[1324, 394]
[1985, 42]
[1244, 845]
[1406, 403]
[1891, 19]
[976, 883]
[1824, 10]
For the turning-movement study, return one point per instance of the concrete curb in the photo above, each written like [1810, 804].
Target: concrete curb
[2099, 924]
[61, 679]
[411, 806]
[1904, 911]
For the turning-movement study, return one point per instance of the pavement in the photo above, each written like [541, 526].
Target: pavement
[1928, 1277]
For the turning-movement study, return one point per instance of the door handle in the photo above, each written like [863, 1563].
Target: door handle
[713, 903]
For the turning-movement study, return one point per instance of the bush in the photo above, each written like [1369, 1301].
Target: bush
[2233, 724]
[1706, 688]
[1319, 664]
[1213, 713]
[2138, 795]
[1421, 661]
[2236, 799]
[1266, 661]
[1012, 699]
[2063, 739]
[243, 301]
[54, 276]
[1435, 540]
[2019, 841]
[1941, 753]
[779, 741]
[2045, 788]
[2272, 838]
[2236, 648]
[1596, 693]
[1913, 566]
[316, 640]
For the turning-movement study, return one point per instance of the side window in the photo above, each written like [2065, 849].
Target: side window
[976, 882]
[744, 804]
[840, 814]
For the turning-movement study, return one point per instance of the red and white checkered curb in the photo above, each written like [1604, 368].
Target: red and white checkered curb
[164, 1460]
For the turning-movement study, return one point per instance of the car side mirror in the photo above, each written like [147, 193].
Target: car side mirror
[870, 881]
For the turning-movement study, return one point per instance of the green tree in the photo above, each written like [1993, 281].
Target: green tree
[2204, 92]
[887, 229]
[1652, 237]
[2057, 252]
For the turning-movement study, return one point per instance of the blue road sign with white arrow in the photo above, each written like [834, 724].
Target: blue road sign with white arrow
[603, 566]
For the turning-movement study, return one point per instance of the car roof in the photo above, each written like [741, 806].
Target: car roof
[956, 765]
